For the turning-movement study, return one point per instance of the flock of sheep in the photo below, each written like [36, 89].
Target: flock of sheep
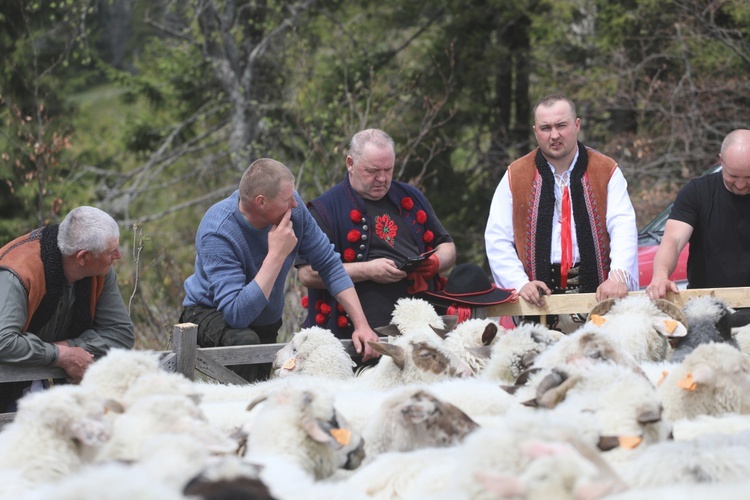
[463, 411]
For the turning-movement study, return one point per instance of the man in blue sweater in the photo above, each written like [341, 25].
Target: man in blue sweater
[245, 246]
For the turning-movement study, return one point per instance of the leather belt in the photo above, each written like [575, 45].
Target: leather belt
[574, 279]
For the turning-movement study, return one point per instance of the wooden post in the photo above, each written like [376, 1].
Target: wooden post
[185, 343]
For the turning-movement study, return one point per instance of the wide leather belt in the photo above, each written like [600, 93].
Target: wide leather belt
[574, 279]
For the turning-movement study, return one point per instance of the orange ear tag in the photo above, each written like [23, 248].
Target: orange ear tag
[342, 436]
[663, 378]
[630, 442]
[687, 383]
[670, 325]
[598, 320]
[289, 364]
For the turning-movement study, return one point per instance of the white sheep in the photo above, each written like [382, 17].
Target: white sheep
[640, 325]
[708, 459]
[713, 379]
[514, 352]
[113, 374]
[54, 433]
[411, 313]
[313, 351]
[587, 344]
[161, 414]
[298, 424]
[411, 419]
[467, 339]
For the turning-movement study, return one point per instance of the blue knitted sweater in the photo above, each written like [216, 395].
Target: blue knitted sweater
[229, 253]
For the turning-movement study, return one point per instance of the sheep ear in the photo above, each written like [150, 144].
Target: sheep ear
[602, 307]
[670, 328]
[671, 310]
[554, 396]
[319, 431]
[390, 330]
[524, 376]
[113, 406]
[607, 443]
[704, 375]
[393, 351]
[489, 333]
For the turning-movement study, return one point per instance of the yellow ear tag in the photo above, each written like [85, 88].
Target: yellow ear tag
[598, 320]
[687, 383]
[663, 378]
[342, 436]
[289, 364]
[670, 325]
[630, 442]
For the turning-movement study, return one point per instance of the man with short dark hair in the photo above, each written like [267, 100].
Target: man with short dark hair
[561, 218]
[245, 246]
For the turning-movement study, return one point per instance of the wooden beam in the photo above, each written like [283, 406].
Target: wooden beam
[16, 373]
[584, 302]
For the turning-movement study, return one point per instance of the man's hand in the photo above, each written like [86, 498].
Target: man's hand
[281, 238]
[534, 292]
[611, 289]
[74, 360]
[384, 271]
[659, 287]
[360, 337]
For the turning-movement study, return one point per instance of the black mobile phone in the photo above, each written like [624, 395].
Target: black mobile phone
[411, 263]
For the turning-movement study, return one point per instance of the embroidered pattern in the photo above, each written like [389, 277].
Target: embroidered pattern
[386, 229]
[534, 196]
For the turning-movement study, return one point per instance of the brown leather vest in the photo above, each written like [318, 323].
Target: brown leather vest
[22, 257]
[526, 185]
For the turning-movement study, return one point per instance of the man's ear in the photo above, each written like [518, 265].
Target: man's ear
[260, 200]
[349, 163]
[82, 256]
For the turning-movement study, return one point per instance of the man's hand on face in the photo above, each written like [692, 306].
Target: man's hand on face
[281, 237]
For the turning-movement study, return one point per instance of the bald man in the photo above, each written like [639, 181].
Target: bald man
[712, 213]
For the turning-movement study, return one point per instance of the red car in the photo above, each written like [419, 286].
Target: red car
[648, 241]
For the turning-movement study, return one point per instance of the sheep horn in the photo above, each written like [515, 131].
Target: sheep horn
[602, 307]
[389, 330]
[450, 321]
[440, 332]
[671, 310]
[255, 402]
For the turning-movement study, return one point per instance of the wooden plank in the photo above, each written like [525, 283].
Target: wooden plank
[205, 364]
[241, 354]
[185, 342]
[584, 302]
[16, 373]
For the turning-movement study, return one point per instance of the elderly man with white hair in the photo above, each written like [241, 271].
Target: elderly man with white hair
[59, 300]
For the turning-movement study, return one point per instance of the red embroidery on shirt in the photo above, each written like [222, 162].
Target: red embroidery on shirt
[386, 229]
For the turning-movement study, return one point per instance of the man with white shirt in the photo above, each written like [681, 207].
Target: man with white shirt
[561, 220]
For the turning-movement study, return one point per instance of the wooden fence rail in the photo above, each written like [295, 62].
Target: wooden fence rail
[185, 357]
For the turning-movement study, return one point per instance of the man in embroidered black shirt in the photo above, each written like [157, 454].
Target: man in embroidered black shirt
[375, 223]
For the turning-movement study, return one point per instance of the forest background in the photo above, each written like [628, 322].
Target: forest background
[152, 109]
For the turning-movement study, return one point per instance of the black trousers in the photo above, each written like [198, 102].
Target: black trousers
[213, 331]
